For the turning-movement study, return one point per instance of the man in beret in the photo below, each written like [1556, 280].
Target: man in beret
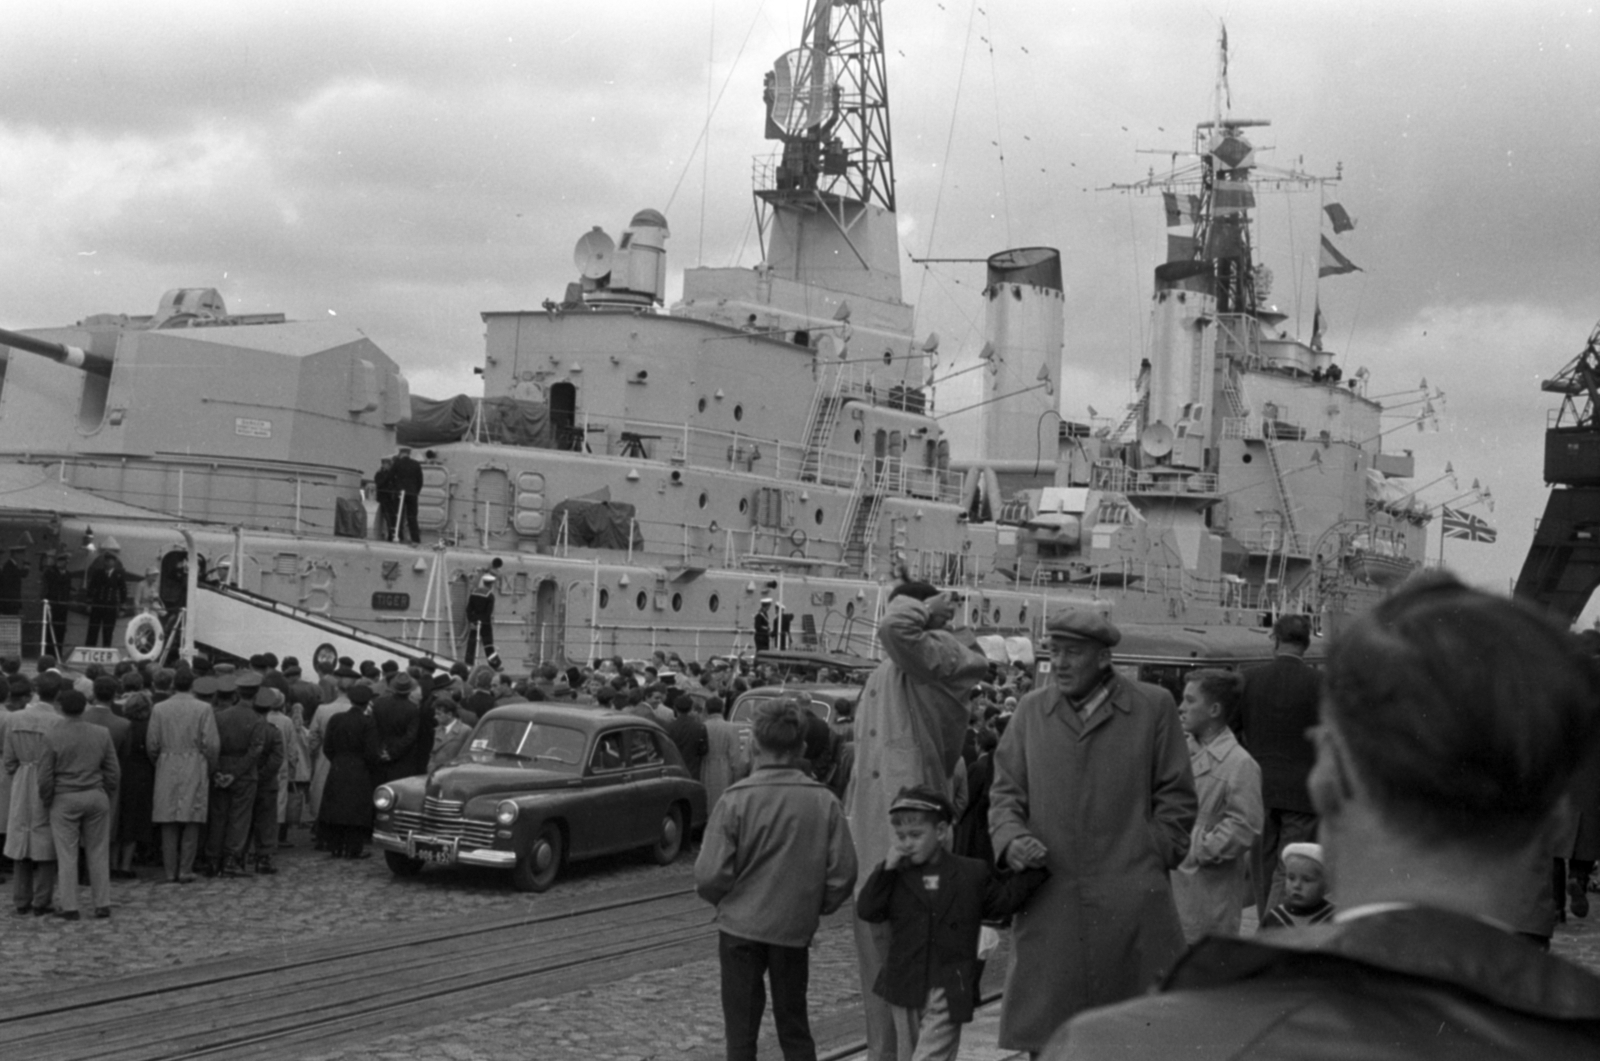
[910, 724]
[1092, 781]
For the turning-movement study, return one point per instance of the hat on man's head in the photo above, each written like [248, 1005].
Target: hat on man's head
[401, 682]
[360, 694]
[1303, 850]
[110, 545]
[204, 687]
[292, 670]
[1081, 624]
[924, 799]
[268, 698]
[248, 682]
[227, 683]
[348, 673]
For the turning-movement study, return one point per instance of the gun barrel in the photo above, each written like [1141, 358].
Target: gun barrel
[71, 356]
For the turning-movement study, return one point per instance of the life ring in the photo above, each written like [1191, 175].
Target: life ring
[143, 637]
[798, 538]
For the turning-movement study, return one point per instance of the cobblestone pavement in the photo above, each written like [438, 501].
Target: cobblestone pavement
[669, 1014]
[155, 925]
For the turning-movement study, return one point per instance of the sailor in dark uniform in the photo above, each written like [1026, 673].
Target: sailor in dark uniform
[105, 587]
[12, 572]
[405, 479]
[388, 499]
[764, 626]
[57, 593]
[480, 621]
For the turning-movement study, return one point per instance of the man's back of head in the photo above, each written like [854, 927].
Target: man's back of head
[1464, 714]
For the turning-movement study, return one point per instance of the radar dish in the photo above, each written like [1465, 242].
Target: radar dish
[1156, 440]
[592, 255]
[803, 90]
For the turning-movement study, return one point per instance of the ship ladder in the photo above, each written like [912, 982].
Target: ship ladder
[824, 414]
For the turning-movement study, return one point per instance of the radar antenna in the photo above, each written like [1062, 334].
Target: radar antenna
[828, 102]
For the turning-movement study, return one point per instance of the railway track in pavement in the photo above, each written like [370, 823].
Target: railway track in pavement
[321, 993]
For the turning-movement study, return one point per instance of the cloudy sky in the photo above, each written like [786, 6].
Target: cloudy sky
[405, 165]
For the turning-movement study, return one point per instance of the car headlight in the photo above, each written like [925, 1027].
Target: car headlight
[506, 812]
[383, 797]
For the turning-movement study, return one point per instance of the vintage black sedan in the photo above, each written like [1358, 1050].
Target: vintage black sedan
[537, 785]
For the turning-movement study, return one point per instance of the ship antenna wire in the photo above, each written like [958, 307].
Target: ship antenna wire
[999, 136]
[705, 156]
[949, 141]
[706, 128]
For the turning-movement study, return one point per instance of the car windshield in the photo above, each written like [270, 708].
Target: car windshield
[745, 710]
[533, 744]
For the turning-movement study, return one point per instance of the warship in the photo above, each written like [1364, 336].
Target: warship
[642, 477]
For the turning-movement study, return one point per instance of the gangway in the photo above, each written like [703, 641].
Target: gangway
[240, 623]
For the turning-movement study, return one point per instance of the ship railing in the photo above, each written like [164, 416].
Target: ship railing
[1246, 428]
[1270, 538]
[697, 447]
[1121, 479]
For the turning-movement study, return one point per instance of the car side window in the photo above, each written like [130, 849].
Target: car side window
[608, 753]
[746, 708]
[642, 749]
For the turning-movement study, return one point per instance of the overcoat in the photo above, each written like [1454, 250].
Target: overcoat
[725, 760]
[136, 794]
[183, 741]
[351, 746]
[910, 721]
[28, 832]
[316, 733]
[1112, 799]
[1209, 885]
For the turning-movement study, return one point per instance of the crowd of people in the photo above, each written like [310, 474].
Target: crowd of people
[1409, 823]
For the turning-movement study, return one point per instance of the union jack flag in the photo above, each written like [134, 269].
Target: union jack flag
[1467, 527]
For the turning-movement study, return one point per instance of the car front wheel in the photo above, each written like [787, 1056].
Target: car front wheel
[401, 866]
[668, 845]
[539, 862]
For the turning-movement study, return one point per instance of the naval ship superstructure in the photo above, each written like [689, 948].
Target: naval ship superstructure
[646, 477]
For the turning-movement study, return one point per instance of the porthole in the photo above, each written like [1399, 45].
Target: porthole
[738, 412]
[977, 616]
[744, 505]
[888, 357]
[605, 597]
[677, 602]
[818, 517]
[703, 499]
[714, 603]
[701, 405]
[1247, 458]
[1022, 614]
[858, 436]
[849, 609]
[641, 600]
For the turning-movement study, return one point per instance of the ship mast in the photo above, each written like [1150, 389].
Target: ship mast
[830, 188]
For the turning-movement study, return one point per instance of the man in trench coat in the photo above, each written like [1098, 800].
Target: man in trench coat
[1091, 779]
[909, 725]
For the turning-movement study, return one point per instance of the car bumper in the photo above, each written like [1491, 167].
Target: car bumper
[482, 856]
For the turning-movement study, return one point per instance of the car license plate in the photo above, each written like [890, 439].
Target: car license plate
[433, 851]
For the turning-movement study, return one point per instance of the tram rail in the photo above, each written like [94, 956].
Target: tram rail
[246, 1007]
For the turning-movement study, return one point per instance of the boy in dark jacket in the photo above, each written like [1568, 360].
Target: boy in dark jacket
[935, 903]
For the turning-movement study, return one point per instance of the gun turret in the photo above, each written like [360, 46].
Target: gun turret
[72, 356]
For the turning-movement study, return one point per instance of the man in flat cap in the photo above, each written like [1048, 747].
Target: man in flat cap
[1091, 780]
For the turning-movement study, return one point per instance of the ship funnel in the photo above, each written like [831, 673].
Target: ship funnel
[1183, 361]
[1023, 324]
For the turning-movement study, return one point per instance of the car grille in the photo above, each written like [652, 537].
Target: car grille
[442, 818]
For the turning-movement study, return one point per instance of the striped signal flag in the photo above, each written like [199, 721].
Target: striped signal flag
[1467, 527]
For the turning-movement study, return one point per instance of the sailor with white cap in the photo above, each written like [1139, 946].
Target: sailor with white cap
[764, 625]
[105, 588]
[480, 621]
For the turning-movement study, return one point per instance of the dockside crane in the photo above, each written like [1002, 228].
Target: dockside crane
[1562, 569]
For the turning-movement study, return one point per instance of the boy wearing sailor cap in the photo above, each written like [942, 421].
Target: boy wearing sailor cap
[935, 903]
